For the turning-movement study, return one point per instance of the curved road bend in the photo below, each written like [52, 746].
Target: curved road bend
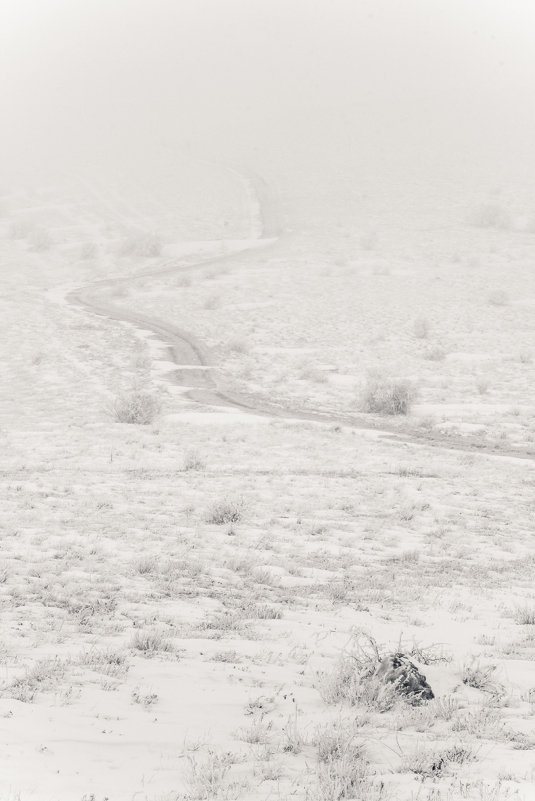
[185, 350]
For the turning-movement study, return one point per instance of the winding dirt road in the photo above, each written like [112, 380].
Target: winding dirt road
[208, 386]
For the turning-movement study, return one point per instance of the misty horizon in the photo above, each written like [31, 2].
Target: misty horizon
[396, 85]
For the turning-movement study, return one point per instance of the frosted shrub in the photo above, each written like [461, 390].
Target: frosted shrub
[226, 511]
[387, 396]
[139, 408]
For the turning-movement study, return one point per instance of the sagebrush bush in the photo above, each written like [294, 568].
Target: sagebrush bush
[139, 408]
[387, 396]
[226, 511]
[193, 461]
[352, 679]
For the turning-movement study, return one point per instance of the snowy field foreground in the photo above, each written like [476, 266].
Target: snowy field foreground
[193, 608]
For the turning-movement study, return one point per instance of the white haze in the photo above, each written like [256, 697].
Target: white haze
[396, 84]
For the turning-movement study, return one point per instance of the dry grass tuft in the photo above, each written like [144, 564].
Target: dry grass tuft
[525, 615]
[431, 763]
[481, 678]
[151, 642]
[206, 778]
[43, 676]
[337, 741]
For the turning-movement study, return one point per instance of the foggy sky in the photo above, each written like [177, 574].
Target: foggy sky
[231, 77]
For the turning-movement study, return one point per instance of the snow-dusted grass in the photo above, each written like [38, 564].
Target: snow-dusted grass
[190, 606]
[119, 564]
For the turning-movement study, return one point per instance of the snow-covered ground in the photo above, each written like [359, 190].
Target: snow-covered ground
[178, 598]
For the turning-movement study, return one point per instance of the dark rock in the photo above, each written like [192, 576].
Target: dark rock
[397, 669]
